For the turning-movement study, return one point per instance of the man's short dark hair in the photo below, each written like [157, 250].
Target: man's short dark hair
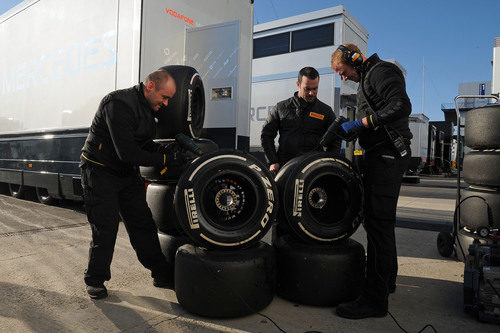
[309, 72]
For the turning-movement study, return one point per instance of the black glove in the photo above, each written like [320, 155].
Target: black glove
[336, 130]
[173, 157]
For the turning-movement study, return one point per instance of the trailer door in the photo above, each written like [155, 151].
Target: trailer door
[213, 51]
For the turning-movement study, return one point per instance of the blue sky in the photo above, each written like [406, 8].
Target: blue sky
[455, 38]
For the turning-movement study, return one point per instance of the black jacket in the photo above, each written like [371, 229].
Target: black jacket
[122, 131]
[384, 85]
[300, 125]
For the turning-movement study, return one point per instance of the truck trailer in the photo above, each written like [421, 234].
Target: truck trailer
[61, 57]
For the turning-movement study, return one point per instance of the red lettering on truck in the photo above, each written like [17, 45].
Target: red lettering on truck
[179, 16]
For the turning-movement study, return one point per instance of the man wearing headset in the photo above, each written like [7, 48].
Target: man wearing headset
[384, 134]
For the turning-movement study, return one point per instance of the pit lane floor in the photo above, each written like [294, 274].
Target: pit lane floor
[43, 253]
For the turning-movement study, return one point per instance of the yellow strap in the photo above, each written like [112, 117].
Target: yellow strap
[88, 159]
[371, 120]
[100, 146]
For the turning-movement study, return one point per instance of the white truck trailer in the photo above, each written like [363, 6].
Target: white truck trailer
[419, 127]
[61, 57]
[282, 47]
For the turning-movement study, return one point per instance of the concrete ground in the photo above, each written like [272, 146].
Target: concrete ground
[43, 253]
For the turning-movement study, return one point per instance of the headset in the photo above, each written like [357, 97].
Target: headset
[352, 57]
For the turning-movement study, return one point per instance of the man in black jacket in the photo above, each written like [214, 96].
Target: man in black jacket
[384, 134]
[300, 120]
[120, 139]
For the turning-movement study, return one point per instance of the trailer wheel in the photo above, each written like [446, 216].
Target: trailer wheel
[481, 127]
[225, 284]
[185, 112]
[319, 274]
[160, 199]
[16, 190]
[321, 197]
[226, 199]
[445, 244]
[481, 168]
[44, 197]
[152, 173]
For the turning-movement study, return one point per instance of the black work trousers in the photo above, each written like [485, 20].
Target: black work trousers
[106, 195]
[382, 174]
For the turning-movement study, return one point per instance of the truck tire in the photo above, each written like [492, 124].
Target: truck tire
[480, 208]
[169, 245]
[481, 168]
[152, 173]
[160, 199]
[44, 197]
[185, 112]
[226, 199]
[16, 190]
[321, 197]
[319, 274]
[225, 284]
[481, 127]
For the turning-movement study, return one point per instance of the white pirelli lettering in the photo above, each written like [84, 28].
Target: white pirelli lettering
[298, 194]
[191, 211]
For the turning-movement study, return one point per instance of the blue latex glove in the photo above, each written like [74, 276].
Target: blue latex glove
[352, 125]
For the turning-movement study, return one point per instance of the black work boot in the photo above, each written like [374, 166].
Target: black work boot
[163, 281]
[97, 291]
[360, 308]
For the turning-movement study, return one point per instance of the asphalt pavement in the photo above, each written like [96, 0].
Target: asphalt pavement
[43, 253]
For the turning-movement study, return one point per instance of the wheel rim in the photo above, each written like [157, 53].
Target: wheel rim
[327, 199]
[229, 200]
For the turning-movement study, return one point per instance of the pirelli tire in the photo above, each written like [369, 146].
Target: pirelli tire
[169, 245]
[185, 112]
[153, 173]
[321, 197]
[225, 284]
[160, 199]
[481, 168]
[226, 199]
[479, 208]
[444, 244]
[481, 127]
[319, 274]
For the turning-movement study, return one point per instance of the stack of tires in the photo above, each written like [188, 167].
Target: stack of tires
[321, 207]
[211, 214]
[480, 202]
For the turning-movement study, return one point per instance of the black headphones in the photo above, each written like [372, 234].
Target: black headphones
[352, 57]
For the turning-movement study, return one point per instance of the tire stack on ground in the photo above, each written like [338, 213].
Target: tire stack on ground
[321, 206]
[211, 214]
[480, 202]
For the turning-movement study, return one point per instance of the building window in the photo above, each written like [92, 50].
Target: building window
[271, 45]
[314, 37]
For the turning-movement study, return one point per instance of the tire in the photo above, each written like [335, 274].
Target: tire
[321, 197]
[185, 112]
[224, 284]
[169, 245]
[480, 208]
[4, 188]
[226, 199]
[481, 168]
[320, 274]
[152, 173]
[17, 191]
[445, 244]
[44, 197]
[160, 199]
[481, 128]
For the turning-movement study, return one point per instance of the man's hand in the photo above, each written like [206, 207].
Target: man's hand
[352, 126]
[274, 167]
